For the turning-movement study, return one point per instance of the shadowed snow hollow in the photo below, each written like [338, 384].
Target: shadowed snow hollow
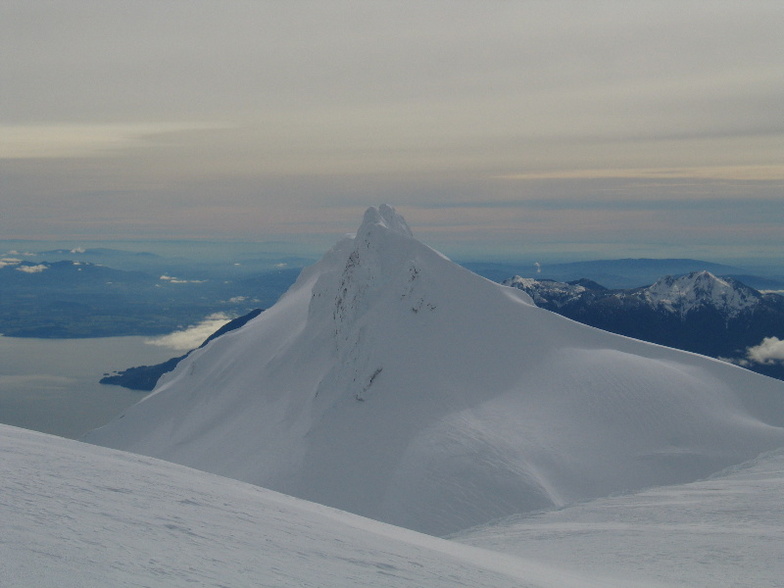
[392, 383]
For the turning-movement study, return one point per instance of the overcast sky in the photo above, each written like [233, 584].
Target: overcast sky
[648, 128]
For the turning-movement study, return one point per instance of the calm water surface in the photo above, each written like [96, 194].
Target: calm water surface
[51, 385]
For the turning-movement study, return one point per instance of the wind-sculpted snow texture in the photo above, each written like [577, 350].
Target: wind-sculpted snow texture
[392, 383]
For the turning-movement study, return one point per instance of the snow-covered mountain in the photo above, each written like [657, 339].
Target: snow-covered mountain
[551, 294]
[685, 294]
[699, 312]
[679, 295]
[392, 383]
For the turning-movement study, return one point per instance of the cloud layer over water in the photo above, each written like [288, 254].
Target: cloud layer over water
[193, 336]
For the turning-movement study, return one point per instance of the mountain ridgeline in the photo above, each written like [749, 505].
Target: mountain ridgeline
[699, 312]
[391, 382]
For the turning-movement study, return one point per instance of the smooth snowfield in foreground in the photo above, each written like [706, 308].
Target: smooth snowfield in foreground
[76, 515]
[392, 383]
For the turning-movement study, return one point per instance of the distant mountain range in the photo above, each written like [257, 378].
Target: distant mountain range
[102, 292]
[623, 273]
[699, 312]
[73, 299]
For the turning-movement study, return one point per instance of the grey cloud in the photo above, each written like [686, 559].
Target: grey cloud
[201, 117]
[769, 351]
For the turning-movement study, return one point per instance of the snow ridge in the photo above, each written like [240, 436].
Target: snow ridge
[359, 268]
[381, 262]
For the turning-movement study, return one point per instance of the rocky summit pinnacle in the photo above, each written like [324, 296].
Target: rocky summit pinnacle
[385, 216]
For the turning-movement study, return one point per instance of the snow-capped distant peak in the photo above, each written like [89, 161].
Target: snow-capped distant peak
[545, 292]
[521, 282]
[684, 294]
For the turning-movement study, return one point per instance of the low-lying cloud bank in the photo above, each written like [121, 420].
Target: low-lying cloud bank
[32, 269]
[769, 352]
[193, 336]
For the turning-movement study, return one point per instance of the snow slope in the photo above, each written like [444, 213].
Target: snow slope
[726, 531]
[76, 515]
[392, 383]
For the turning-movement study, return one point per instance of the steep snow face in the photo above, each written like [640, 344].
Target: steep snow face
[395, 384]
[681, 295]
[380, 260]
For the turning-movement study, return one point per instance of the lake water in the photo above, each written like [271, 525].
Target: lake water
[51, 385]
